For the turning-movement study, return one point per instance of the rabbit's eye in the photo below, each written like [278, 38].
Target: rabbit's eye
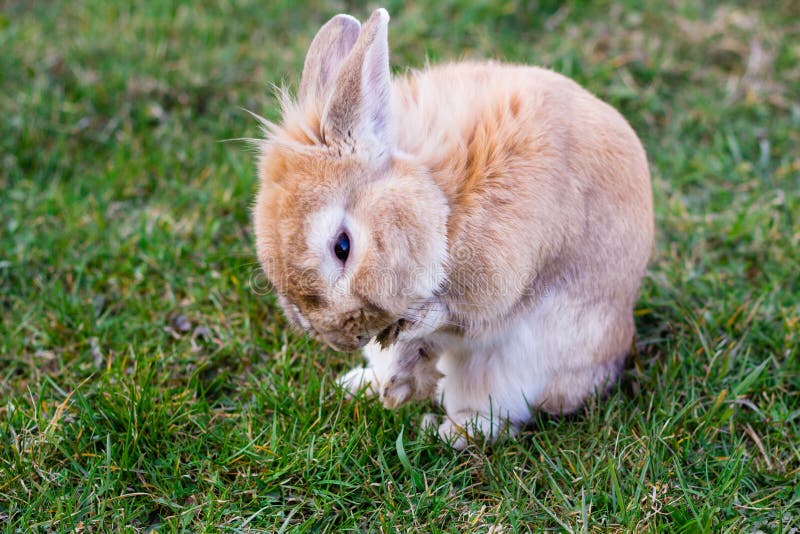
[342, 247]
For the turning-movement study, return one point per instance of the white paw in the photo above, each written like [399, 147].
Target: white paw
[466, 428]
[397, 390]
[429, 423]
[454, 435]
[359, 379]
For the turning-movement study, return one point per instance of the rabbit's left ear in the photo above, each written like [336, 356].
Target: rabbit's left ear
[358, 116]
[325, 56]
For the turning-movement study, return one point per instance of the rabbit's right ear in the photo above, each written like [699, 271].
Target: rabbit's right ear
[358, 117]
[325, 56]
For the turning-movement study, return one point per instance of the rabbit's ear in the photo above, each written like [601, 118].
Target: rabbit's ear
[325, 56]
[358, 116]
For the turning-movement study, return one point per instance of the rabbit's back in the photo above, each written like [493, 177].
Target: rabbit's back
[548, 186]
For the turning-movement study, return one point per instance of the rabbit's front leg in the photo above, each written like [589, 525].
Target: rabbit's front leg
[401, 365]
[412, 375]
[403, 371]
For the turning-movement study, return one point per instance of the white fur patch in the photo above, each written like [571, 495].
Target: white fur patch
[504, 373]
[324, 227]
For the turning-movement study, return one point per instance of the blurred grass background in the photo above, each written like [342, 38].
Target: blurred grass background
[148, 382]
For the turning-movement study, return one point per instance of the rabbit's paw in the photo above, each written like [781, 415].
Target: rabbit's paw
[429, 423]
[358, 380]
[397, 390]
[465, 428]
[454, 434]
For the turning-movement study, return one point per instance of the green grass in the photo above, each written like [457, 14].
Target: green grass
[148, 381]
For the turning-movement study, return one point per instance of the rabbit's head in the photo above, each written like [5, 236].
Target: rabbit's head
[351, 234]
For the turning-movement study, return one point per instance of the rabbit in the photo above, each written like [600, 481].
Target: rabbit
[479, 229]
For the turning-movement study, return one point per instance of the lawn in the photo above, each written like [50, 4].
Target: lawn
[147, 377]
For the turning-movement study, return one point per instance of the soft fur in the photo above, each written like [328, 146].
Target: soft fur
[500, 218]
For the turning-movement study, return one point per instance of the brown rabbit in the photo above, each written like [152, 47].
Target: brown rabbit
[481, 229]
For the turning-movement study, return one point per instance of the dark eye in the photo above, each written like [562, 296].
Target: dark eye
[342, 247]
